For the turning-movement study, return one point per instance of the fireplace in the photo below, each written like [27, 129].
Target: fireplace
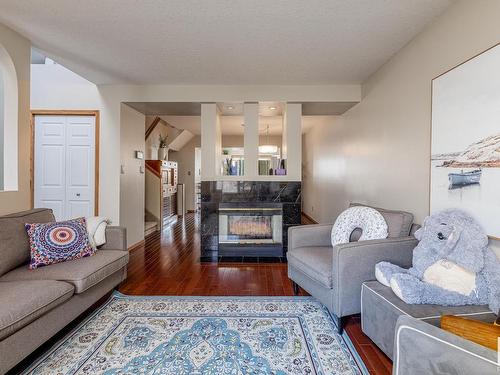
[246, 230]
[247, 220]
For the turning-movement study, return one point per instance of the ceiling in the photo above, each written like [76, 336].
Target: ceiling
[221, 41]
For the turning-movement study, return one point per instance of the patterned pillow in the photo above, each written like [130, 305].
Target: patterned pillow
[58, 242]
[369, 220]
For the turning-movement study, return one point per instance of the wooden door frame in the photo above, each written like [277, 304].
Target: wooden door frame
[64, 112]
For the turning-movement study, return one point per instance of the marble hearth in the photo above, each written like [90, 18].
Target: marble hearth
[247, 219]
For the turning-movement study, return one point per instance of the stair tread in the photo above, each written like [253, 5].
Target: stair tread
[150, 224]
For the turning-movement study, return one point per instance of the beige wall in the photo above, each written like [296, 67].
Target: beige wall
[237, 140]
[19, 50]
[132, 181]
[378, 152]
[186, 172]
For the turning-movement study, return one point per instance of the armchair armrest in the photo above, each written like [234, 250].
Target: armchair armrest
[310, 235]
[116, 239]
[354, 263]
[421, 348]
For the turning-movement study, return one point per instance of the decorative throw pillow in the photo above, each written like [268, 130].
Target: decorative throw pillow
[369, 220]
[58, 242]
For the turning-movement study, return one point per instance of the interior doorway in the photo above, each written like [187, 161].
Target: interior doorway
[65, 162]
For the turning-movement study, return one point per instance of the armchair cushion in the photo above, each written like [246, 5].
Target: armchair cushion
[398, 222]
[315, 262]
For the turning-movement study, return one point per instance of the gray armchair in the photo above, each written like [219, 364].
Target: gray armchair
[334, 275]
[439, 352]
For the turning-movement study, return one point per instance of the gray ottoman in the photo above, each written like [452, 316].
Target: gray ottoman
[381, 308]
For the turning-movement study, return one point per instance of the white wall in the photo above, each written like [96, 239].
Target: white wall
[292, 141]
[1, 130]
[19, 52]
[323, 170]
[132, 180]
[55, 87]
[378, 152]
[185, 159]
[251, 140]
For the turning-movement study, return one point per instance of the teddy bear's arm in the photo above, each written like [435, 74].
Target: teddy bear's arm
[385, 270]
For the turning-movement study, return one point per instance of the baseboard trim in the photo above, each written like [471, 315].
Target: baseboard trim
[309, 218]
[136, 246]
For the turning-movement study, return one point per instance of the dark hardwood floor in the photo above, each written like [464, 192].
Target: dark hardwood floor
[168, 264]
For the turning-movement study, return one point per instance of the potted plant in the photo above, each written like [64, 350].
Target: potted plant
[162, 147]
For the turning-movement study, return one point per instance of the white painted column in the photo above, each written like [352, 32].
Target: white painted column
[292, 140]
[210, 142]
[251, 140]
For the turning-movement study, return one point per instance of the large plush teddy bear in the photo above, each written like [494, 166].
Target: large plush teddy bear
[452, 265]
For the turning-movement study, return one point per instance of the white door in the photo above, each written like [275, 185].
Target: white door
[65, 165]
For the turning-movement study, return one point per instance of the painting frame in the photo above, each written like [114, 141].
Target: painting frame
[433, 154]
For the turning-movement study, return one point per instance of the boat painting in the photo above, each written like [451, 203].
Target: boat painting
[465, 140]
[462, 178]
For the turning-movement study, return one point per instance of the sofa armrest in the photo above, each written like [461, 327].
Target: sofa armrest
[116, 239]
[310, 235]
[354, 263]
[421, 348]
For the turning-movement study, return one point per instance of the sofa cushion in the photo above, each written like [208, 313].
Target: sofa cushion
[429, 313]
[52, 243]
[398, 222]
[82, 273]
[14, 243]
[24, 301]
[314, 261]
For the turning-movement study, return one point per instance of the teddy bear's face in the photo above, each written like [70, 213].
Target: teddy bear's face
[439, 235]
[455, 235]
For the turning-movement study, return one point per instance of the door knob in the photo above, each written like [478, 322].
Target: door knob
[77, 194]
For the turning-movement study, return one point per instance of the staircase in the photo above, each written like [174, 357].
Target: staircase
[150, 224]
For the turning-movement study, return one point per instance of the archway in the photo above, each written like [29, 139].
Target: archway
[8, 123]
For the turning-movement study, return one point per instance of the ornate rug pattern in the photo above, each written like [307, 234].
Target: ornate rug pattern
[204, 335]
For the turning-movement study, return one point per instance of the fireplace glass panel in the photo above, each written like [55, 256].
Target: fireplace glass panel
[250, 225]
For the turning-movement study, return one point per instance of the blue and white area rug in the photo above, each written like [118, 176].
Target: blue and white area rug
[204, 335]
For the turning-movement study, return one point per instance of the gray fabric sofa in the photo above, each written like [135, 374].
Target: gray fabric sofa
[421, 348]
[36, 304]
[334, 275]
[381, 309]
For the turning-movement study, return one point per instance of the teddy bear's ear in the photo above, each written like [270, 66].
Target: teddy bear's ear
[453, 238]
[419, 233]
[468, 248]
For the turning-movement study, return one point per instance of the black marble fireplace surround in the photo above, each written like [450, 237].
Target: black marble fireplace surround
[246, 194]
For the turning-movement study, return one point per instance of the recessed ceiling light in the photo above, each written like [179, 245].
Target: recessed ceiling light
[273, 108]
[230, 107]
